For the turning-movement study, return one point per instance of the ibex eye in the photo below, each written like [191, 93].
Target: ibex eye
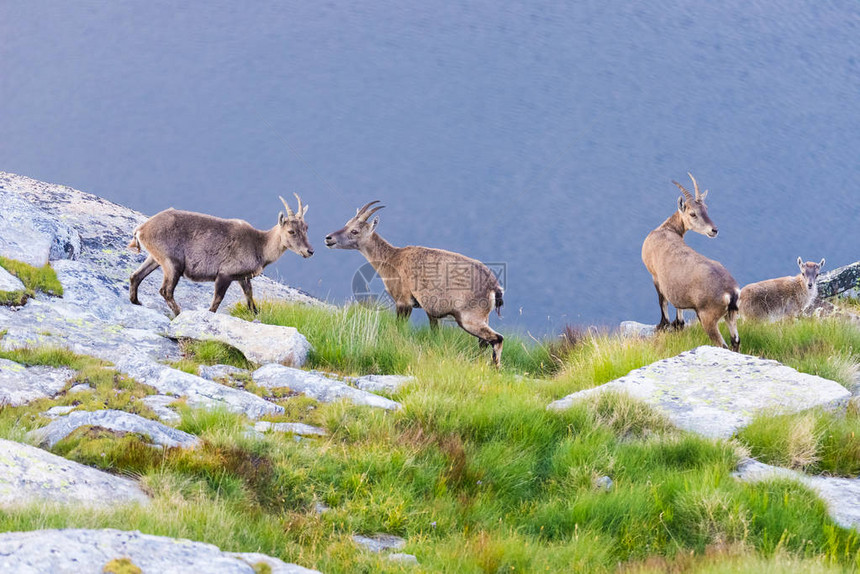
[693, 215]
[354, 231]
[292, 232]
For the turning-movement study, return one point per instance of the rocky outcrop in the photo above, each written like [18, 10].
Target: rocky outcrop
[31, 475]
[118, 421]
[219, 372]
[32, 235]
[317, 387]
[9, 282]
[79, 551]
[258, 342]
[839, 280]
[715, 392]
[20, 385]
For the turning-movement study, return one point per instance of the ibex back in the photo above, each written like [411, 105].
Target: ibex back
[206, 248]
[687, 279]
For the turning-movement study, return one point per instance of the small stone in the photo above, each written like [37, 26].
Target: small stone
[219, 372]
[604, 483]
[382, 383]
[55, 412]
[321, 508]
[80, 388]
[159, 404]
[631, 329]
[379, 542]
[295, 428]
[403, 558]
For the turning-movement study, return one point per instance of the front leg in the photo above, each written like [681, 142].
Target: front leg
[222, 282]
[664, 310]
[679, 322]
[245, 282]
[404, 310]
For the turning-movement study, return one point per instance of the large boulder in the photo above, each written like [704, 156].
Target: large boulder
[715, 392]
[259, 343]
[79, 551]
[31, 475]
[113, 420]
[318, 387]
[20, 385]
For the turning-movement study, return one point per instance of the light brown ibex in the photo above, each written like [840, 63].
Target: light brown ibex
[687, 279]
[781, 297]
[206, 248]
[440, 282]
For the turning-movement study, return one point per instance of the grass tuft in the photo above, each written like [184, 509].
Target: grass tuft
[35, 279]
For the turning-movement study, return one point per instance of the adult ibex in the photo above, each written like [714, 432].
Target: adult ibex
[687, 279]
[781, 297]
[206, 248]
[440, 282]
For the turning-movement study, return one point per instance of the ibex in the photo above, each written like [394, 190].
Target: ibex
[206, 248]
[782, 297]
[687, 279]
[440, 282]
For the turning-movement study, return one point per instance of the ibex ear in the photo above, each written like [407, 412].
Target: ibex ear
[800, 263]
[373, 224]
[703, 195]
[682, 205]
[281, 219]
[820, 265]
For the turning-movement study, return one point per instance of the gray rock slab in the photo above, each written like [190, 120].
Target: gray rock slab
[114, 420]
[20, 385]
[382, 383]
[219, 372]
[317, 386]
[160, 405]
[9, 282]
[635, 329]
[32, 235]
[715, 392]
[79, 551]
[294, 428]
[379, 542]
[841, 495]
[259, 343]
[31, 475]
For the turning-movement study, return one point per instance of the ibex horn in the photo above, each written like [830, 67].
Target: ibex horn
[370, 213]
[686, 193]
[695, 186]
[361, 210]
[300, 214]
[289, 211]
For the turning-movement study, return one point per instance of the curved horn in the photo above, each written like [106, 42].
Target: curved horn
[695, 186]
[369, 214]
[361, 210]
[686, 193]
[289, 211]
[299, 211]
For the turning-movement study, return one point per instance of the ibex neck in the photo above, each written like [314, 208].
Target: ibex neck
[675, 223]
[272, 247]
[377, 250]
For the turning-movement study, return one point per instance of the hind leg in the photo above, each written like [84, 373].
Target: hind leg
[664, 310]
[479, 327]
[732, 322]
[171, 278]
[148, 267]
[222, 282]
[434, 323]
[710, 322]
[404, 310]
[249, 294]
[678, 323]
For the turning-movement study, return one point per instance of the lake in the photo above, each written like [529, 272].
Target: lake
[543, 137]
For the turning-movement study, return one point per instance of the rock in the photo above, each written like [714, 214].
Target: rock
[258, 342]
[32, 235]
[159, 404]
[604, 483]
[30, 475]
[219, 372]
[113, 420]
[79, 551]
[55, 412]
[9, 282]
[403, 558]
[379, 542]
[842, 495]
[80, 388]
[839, 280]
[715, 392]
[20, 385]
[382, 383]
[317, 387]
[634, 329]
[294, 428]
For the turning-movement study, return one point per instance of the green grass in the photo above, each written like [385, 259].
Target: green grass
[196, 353]
[35, 279]
[473, 471]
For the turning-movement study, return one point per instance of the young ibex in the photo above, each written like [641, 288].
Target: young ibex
[206, 248]
[440, 282]
[687, 279]
[782, 297]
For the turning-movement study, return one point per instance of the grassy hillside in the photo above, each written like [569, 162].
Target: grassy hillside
[473, 471]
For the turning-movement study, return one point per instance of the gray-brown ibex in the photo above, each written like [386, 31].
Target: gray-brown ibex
[781, 297]
[206, 248]
[687, 279]
[440, 282]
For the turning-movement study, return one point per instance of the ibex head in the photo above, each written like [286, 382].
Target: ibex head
[693, 210]
[294, 230]
[810, 271]
[356, 231]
